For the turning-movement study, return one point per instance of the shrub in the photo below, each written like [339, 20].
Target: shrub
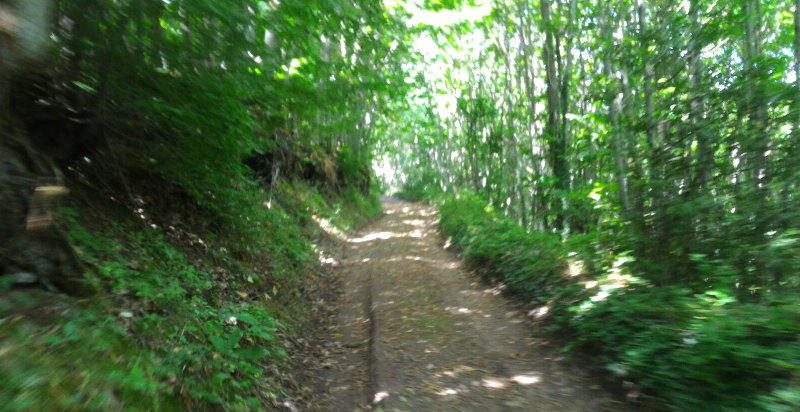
[689, 351]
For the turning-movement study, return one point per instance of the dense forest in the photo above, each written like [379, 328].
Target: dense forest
[173, 173]
[650, 148]
[200, 143]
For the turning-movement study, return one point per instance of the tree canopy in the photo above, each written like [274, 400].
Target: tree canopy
[631, 166]
[663, 134]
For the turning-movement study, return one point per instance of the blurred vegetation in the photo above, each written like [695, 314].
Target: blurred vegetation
[203, 142]
[700, 349]
[633, 170]
[178, 319]
[630, 168]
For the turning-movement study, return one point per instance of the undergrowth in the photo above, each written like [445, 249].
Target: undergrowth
[690, 351]
[196, 263]
[180, 320]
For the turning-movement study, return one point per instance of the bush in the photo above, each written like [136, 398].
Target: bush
[689, 351]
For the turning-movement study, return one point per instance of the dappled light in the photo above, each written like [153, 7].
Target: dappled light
[327, 259]
[447, 391]
[385, 235]
[493, 383]
[380, 396]
[374, 236]
[630, 169]
[528, 379]
[400, 205]
[539, 312]
[575, 267]
[459, 310]
[442, 340]
[329, 227]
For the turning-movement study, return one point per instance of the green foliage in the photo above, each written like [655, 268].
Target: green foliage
[184, 91]
[40, 369]
[442, 4]
[173, 328]
[648, 153]
[690, 351]
[420, 190]
[343, 211]
[641, 172]
[200, 284]
[199, 342]
[528, 264]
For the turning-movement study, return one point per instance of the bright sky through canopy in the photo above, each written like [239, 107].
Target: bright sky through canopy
[440, 18]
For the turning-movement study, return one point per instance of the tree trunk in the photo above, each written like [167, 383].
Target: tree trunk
[614, 103]
[553, 132]
[796, 76]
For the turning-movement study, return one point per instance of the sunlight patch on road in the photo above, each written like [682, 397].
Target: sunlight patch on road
[373, 236]
[414, 258]
[385, 236]
[380, 396]
[325, 259]
[502, 383]
[427, 213]
[493, 383]
[460, 310]
[526, 379]
[415, 222]
[409, 258]
[490, 381]
[447, 392]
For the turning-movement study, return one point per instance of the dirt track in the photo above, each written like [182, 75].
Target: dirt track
[417, 333]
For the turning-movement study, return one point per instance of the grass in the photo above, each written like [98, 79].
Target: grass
[182, 318]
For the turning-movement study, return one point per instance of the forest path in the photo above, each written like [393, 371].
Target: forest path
[418, 333]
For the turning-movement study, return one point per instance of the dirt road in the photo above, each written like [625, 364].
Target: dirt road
[416, 332]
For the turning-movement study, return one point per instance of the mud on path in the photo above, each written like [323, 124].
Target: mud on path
[416, 332]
